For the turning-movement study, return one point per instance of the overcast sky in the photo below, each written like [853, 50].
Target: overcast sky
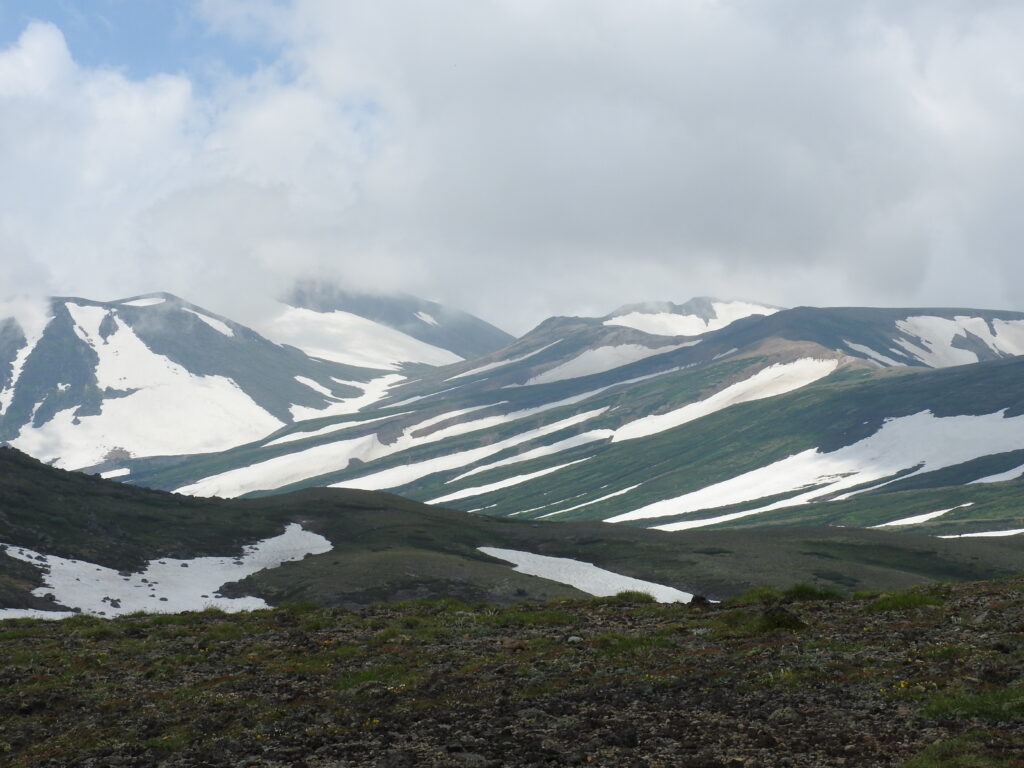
[515, 158]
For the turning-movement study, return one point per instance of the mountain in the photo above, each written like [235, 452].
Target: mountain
[72, 541]
[778, 417]
[152, 375]
[379, 331]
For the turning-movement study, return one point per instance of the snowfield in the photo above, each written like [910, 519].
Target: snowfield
[672, 324]
[166, 585]
[170, 411]
[920, 443]
[601, 359]
[351, 339]
[585, 577]
[937, 335]
[768, 382]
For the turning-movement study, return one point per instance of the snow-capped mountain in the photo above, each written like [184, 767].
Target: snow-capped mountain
[152, 375]
[778, 414]
[708, 413]
[379, 331]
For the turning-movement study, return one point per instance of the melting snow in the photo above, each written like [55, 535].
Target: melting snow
[171, 411]
[506, 483]
[351, 339]
[1014, 532]
[585, 577]
[373, 390]
[167, 585]
[602, 359]
[938, 333]
[544, 450]
[592, 501]
[922, 518]
[921, 442]
[148, 302]
[1011, 474]
[428, 319]
[768, 382]
[112, 473]
[672, 324]
[218, 325]
[501, 363]
[869, 352]
[407, 473]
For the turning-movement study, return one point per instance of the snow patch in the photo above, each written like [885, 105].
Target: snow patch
[920, 443]
[1014, 532]
[168, 585]
[501, 363]
[151, 301]
[601, 359]
[672, 324]
[428, 319]
[768, 382]
[110, 474]
[937, 334]
[870, 353]
[347, 338]
[916, 519]
[373, 390]
[218, 325]
[508, 482]
[170, 412]
[1010, 474]
[585, 577]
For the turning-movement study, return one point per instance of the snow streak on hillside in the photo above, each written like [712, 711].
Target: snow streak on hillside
[909, 444]
[351, 339]
[945, 342]
[768, 382]
[585, 577]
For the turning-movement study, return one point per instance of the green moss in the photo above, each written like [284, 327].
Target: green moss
[901, 601]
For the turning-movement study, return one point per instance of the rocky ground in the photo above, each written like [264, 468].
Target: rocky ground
[927, 678]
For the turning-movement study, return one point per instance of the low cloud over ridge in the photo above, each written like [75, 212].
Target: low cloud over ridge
[525, 159]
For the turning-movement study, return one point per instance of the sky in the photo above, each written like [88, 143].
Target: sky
[515, 158]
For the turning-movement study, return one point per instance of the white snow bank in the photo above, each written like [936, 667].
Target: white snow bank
[601, 359]
[373, 390]
[407, 473]
[32, 316]
[1010, 474]
[147, 302]
[1014, 532]
[501, 363]
[544, 450]
[426, 318]
[351, 339]
[508, 482]
[915, 519]
[171, 412]
[623, 492]
[672, 324]
[218, 325]
[768, 382]
[168, 585]
[1005, 337]
[110, 474]
[585, 577]
[872, 354]
[921, 442]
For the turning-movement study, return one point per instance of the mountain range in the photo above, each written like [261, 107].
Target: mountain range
[898, 424]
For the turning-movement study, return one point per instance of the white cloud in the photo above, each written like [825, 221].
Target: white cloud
[522, 159]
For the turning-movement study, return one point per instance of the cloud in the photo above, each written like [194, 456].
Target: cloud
[521, 159]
